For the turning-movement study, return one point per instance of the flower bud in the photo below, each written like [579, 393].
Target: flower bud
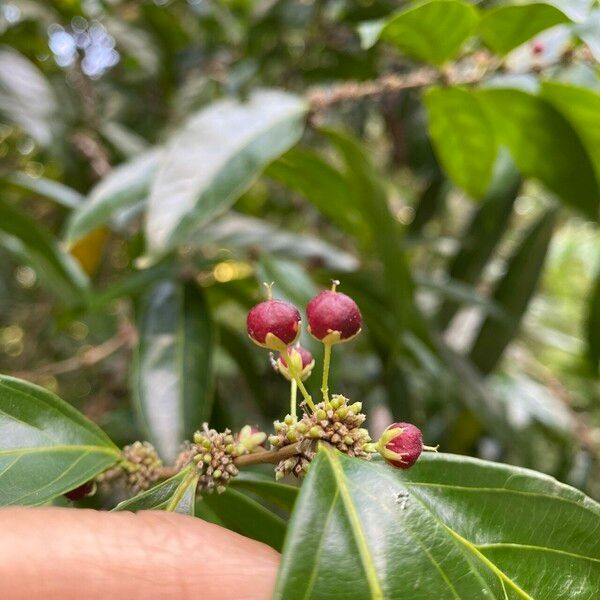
[250, 439]
[401, 445]
[302, 361]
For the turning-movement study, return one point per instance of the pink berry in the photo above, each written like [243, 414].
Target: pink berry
[537, 48]
[301, 358]
[83, 491]
[333, 317]
[401, 445]
[273, 324]
[305, 356]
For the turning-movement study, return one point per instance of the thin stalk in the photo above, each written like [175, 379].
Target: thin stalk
[272, 456]
[326, 366]
[293, 396]
[296, 378]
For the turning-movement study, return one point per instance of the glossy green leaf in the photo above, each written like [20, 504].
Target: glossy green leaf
[173, 374]
[581, 107]
[176, 494]
[244, 515]
[513, 293]
[243, 352]
[385, 239]
[46, 447]
[462, 136]
[29, 242]
[211, 162]
[48, 188]
[431, 31]
[544, 145]
[451, 527]
[588, 30]
[321, 184]
[240, 232]
[484, 231]
[26, 97]
[280, 494]
[592, 326]
[430, 203]
[122, 188]
[506, 27]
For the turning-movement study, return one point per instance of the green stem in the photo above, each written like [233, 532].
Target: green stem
[293, 395]
[296, 378]
[326, 365]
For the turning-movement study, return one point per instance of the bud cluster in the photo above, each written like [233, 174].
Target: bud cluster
[213, 454]
[336, 422]
[139, 469]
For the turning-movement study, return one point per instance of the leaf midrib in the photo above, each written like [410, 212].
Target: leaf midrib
[356, 526]
[464, 488]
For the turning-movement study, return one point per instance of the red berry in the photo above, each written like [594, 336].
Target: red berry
[333, 317]
[83, 491]
[401, 445]
[537, 48]
[273, 324]
[301, 358]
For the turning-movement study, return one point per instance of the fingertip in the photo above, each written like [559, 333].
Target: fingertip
[56, 553]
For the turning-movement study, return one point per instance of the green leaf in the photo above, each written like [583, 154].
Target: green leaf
[592, 326]
[481, 236]
[506, 27]
[209, 164]
[385, 238]
[176, 494]
[46, 447]
[173, 374]
[462, 136]
[513, 293]
[450, 527]
[433, 31]
[282, 495]
[544, 145]
[26, 97]
[237, 231]
[321, 184]
[240, 513]
[123, 187]
[33, 244]
[581, 107]
[54, 190]
[588, 31]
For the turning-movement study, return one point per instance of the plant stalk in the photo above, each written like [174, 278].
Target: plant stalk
[326, 366]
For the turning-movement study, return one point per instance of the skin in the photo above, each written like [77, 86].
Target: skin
[66, 554]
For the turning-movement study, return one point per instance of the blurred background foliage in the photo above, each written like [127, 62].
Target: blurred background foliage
[475, 261]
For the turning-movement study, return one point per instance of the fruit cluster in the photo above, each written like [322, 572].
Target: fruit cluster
[333, 318]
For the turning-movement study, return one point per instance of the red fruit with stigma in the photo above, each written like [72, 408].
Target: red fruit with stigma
[333, 317]
[273, 324]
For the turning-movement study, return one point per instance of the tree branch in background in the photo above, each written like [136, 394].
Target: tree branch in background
[125, 338]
